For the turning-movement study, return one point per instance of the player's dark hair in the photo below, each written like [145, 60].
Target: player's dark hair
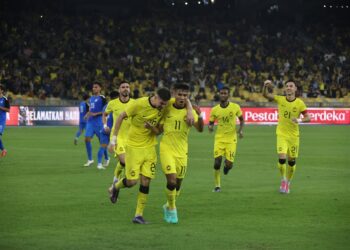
[120, 83]
[2, 87]
[98, 82]
[226, 88]
[181, 86]
[85, 97]
[290, 80]
[164, 94]
[114, 94]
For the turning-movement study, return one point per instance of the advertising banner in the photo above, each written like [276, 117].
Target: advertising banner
[270, 115]
[43, 116]
[56, 116]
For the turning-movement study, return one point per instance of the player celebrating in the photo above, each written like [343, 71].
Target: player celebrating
[83, 109]
[4, 107]
[225, 144]
[94, 119]
[140, 154]
[289, 109]
[174, 146]
[117, 106]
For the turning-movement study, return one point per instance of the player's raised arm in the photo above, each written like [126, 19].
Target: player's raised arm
[189, 118]
[199, 124]
[268, 86]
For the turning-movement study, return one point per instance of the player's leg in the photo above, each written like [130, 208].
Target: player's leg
[282, 148]
[133, 161]
[2, 148]
[102, 149]
[82, 126]
[148, 171]
[218, 153]
[167, 160]
[230, 152]
[142, 199]
[293, 151]
[89, 133]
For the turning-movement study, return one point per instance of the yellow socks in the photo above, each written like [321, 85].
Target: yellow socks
[171, 198]
[291, 171]
[217, 178]
[283, 169]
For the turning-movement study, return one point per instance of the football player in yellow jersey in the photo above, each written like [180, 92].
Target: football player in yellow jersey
[289, 110]
[117, 106]
[174, 146]
[225, 114]
[140, 155]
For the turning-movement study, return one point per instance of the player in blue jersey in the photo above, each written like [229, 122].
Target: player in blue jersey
[94, 119]
[105, 134]
[83, 109]
[4, 107]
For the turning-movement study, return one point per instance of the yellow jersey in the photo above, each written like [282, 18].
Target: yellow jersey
[176, 129]
[117, 107]
[141, 111]
[286, 111]
[226, 121]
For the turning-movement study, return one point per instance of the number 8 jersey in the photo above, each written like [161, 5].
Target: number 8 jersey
[286, 111]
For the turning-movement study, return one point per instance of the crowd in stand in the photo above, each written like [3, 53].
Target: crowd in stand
[60, 56]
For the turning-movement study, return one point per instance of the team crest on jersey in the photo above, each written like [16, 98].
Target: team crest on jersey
[294, 109]
[231, 114]
[159, 113]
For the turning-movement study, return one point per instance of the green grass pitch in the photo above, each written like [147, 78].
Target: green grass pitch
[49, 201]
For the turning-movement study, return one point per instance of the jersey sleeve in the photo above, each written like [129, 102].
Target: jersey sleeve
[109, 108]
[302, 107]
[277, 98]
[103, 100]
[7, 103]
[132, 109]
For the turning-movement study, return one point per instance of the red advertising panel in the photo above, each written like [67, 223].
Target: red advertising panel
[270, 115]
[12, 116]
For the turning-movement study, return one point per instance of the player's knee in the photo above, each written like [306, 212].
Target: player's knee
[144, 189]
[217, 163]
[228, 164]
[129, 183]
[123, 164]
[291, 163]
[282, 161]
[171, 186]
[87, 139]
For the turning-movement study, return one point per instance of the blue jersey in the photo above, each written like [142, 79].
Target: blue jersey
[83, 109]
[3, 103]
[96, 105]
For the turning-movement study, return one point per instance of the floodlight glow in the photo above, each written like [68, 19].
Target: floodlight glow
[186, 3]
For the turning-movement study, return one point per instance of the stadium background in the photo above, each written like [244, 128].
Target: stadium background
[49, 201]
